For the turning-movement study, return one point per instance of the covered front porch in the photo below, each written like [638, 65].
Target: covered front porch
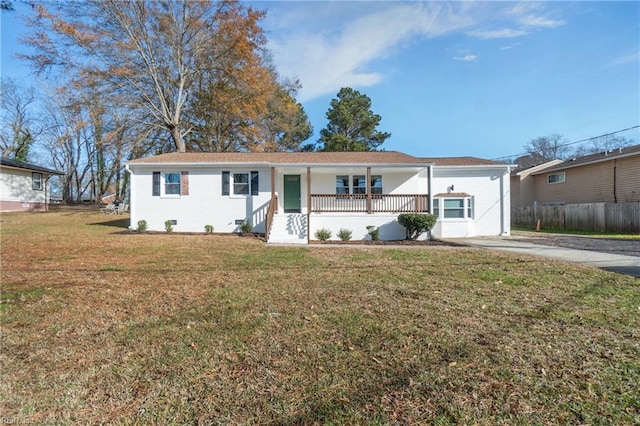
[304, 199]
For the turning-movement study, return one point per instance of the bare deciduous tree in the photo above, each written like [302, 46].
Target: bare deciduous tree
[547, 148]
[150, 55]
[602, 144]
[19, 127]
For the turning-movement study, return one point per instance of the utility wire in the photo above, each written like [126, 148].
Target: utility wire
[572, 143]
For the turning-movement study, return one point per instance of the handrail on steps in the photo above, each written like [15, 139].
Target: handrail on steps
[273, 205]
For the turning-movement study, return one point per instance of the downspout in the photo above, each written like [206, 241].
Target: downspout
[503, 215]
[429, 191]
[502, 205]
[368, 190]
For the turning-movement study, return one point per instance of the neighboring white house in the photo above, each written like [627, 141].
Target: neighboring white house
[24, 186]
[290, 195]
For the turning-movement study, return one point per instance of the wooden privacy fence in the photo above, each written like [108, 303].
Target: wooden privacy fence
[602, 217]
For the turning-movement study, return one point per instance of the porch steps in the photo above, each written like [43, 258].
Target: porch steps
[289, 228]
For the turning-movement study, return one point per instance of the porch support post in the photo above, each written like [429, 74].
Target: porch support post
[429, 190]
[368, 190]
[273, 185]
[308, 205]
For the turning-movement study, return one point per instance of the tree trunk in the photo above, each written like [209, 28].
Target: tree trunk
[177, 139]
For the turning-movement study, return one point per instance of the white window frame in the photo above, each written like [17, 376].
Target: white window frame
[347, 187]
[561, 178]
[164, 184]
[351, 187]
[467, 208]
[36, 183]
[377, 190]
[359, 189]
[232, 184]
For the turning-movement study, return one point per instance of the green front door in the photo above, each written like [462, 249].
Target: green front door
[292, 193]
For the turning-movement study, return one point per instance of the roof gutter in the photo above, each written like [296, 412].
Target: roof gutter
[563, 166]
[268, 164]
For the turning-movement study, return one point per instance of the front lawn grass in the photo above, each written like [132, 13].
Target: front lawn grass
[100, 326]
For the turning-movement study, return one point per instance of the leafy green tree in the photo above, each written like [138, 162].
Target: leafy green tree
[352, 124]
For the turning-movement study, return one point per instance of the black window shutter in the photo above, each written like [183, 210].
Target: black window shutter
[225, 183]
[156, 184]
[254, 183]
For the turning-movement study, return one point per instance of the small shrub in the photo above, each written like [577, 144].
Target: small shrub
[416, 224]
[246, 228]
[142, 226]
[208, 229]
[344, 234]
[323, 234]
[168, 225]
[374, 232]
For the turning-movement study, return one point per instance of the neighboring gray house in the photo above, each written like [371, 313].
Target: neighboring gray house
[24, 186]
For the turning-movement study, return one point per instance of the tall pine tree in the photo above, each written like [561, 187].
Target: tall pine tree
[352, 124]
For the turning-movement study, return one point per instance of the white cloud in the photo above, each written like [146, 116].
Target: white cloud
[325, 62]
[510, 46]
[502, 33]
[534, 21]
[329, 45]
[629, 58]
[466, 58]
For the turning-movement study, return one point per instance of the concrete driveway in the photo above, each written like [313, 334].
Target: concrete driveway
[622, 264]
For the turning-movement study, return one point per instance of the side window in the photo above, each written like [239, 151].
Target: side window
[359, 185]
[376, 184]
[36, 181]
[172, 183]
[342, 184]
[556, 178]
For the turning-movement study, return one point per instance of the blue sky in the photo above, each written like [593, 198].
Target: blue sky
[457, 78]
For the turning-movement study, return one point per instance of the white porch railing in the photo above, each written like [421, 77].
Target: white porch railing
[376, 203]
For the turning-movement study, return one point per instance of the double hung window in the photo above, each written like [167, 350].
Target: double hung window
[240, 183]
[36, 181]
[342, 185]
[358, 184]
[172, 183]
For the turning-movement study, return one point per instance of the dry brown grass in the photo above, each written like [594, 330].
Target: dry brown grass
[100, 326]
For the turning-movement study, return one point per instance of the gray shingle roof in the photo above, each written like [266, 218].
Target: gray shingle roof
[28, 166]
[594, 158]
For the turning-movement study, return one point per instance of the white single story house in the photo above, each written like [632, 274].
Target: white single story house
[288, 196]
[24, 186]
